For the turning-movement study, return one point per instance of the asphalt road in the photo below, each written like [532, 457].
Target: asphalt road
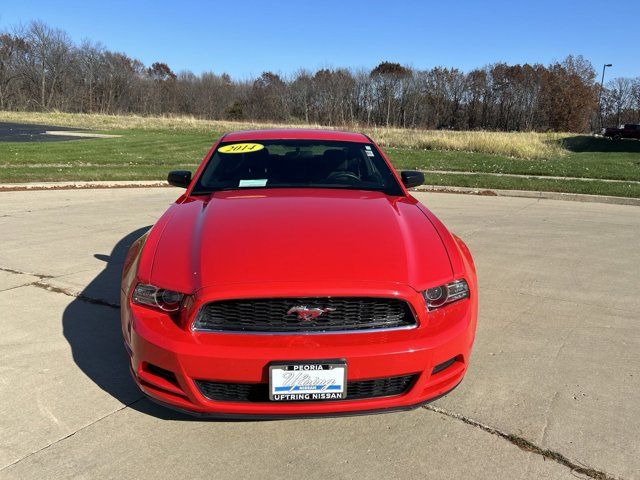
[26, 132]
[553, 385]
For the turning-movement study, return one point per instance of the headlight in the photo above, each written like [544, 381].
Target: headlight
[444, 294]
[166, 300]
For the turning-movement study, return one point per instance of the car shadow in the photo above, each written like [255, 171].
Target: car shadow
[91, 325]
[587, 143]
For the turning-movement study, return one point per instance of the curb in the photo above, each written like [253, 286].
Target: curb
[574, 197]
[536, 177]
[18, 187]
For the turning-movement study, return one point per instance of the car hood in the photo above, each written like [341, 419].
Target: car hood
[298, 235]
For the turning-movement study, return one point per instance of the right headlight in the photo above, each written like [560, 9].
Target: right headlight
[152, 296]
[437, 297]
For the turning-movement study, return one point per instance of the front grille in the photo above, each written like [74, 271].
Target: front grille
[259, 392]
[272, 314]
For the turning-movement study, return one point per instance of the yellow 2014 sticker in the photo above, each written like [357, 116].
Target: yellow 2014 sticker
[241, 148]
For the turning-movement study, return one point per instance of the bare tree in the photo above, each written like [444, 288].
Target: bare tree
[46, 62]
[90, 58]
[42, 69]
[11, 49]
[619, 98]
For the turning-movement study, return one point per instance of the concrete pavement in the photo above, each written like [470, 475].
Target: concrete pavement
[553, 383]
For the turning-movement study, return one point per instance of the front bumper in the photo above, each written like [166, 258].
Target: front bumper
[166, 359]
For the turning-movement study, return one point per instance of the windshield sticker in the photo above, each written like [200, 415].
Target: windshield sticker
[241, 148]
[369, 153]
[259, 182]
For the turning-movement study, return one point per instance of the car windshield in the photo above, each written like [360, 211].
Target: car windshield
[297, 164]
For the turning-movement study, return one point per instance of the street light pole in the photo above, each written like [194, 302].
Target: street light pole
[600, 94]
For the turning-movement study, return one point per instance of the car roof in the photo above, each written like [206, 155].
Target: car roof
[295, 134]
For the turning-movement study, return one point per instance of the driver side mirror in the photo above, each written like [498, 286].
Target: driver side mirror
[179, 178]
[411, 178]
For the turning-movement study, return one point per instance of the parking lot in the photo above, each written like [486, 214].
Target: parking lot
[24, 132]
[553, 389]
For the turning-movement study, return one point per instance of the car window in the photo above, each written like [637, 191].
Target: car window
[297, 164]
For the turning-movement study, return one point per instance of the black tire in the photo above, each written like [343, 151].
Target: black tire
[617, 136]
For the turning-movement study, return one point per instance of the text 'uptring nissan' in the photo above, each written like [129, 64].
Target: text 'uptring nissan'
[297, 277]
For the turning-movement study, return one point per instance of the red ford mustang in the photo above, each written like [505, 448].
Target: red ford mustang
[296, 277]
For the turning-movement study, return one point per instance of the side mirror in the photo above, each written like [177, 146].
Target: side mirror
[411, 178]
[179, 178]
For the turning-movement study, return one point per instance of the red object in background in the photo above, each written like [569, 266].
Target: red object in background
[286, 270]
[628, 130]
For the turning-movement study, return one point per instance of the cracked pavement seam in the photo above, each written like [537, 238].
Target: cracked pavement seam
[526, 445]
[17, 272]
[79, 296]
[51, 288]
[71, 434]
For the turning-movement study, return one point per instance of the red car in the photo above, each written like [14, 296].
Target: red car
[297, 277]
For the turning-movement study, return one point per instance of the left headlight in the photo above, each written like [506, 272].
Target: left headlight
[152, 296]
[437, 297]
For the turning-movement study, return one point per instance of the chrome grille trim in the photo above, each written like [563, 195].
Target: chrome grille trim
[368, 314]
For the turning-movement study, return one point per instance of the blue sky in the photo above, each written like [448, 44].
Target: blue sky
[244, 38]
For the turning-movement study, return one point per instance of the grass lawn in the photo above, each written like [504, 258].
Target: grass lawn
[596, 158]
[621, 189]
[137, 155]
[149, 151]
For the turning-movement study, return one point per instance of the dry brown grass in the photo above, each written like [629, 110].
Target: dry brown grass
[127, 122]
[528, 145]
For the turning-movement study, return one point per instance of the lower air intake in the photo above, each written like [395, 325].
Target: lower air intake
[259, 392]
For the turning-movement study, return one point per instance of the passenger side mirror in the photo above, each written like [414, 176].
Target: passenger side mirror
[411, 178]
[179, 178]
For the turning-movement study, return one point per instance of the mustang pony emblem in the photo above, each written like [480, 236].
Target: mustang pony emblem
[309, 313]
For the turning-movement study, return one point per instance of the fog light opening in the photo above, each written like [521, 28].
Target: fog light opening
[444, 365]
[161, 372]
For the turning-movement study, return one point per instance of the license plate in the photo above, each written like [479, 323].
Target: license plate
[308, 381]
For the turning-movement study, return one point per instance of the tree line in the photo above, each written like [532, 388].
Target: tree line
[41, 69]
